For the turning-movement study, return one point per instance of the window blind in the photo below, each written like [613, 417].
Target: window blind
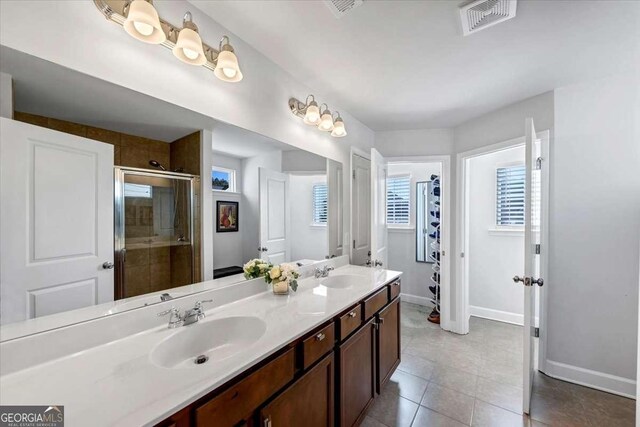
[510, 193]
[320, 204]
[398, 199]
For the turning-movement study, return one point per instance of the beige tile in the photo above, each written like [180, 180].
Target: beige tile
[371, 422]
[67, 127]
[30, 118]
[134, 157]
[502, 395]
[159, 277]
[449, 402]
[486, 415]
[393, 410]
[416, 365]
[103, 135]
[159, 255]
[137, 257]
[428, 418]
[406, 385]
[455, 379]
[136, 281]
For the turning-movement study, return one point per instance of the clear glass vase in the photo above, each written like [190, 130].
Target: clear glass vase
[280, 288]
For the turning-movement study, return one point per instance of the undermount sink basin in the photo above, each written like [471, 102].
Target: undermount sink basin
[207, 341]
[340, 281]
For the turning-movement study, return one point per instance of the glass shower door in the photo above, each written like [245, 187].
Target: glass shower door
[154, 231]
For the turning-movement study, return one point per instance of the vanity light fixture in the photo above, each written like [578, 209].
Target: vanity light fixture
[338, 127]
[143, 22]
[227, 68]
[310, 114]
[188, 48]
[140, 19]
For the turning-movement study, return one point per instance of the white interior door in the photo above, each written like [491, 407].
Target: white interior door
[56, 221]
[379, 238]
[361, 210]
[334, 225]
[275, 221]
[533, 230]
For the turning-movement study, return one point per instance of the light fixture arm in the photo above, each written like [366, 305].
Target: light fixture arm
[116, 11]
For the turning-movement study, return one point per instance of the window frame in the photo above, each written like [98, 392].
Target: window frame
[232, 179]
[313, 204]
[410, 202]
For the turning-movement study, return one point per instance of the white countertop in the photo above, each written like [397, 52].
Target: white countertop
[117, 383]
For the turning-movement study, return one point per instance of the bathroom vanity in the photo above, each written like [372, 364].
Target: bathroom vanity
[317, 357]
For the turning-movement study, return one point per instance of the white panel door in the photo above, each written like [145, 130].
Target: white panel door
[361, 210]
[379, 238]
[533, 230]
[56, 221]
[275, 221]
[334, 226]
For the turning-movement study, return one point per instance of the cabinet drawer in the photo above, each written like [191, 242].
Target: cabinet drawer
[394, 289]
[317, 345]
[375, 302]
[242, 398]
[350, 321]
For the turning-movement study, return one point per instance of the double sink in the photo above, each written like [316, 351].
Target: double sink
[222, 338]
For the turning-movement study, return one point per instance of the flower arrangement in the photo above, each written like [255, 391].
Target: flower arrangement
[256, 268]
[282, 277]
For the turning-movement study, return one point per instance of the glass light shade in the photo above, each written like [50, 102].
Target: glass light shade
[338, 128]
[312, 116]
[143, 23]
[326, 121]
[227, 68]
[188, 48]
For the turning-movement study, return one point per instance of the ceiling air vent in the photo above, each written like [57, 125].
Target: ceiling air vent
[482, 14]
[341, 7]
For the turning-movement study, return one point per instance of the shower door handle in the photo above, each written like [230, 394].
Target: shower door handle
[108, 265]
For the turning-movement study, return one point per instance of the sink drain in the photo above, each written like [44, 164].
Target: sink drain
[201, 359]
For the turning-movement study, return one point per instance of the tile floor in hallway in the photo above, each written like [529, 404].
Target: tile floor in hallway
[446, 379]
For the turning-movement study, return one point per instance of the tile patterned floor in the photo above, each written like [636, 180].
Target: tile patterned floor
[446, 380]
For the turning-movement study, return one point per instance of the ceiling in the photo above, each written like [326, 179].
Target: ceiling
[239, 143]
[405, 64]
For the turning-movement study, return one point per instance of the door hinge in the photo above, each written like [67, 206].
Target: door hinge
[536, 332]
[539, 163]
[461, 254]
[354, 174]
[354, 244]
[537, 248]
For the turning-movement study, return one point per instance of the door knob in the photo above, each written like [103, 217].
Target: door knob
[378, 263]
[517, 279]
[538, 282]
[108, 265]
[528, 281]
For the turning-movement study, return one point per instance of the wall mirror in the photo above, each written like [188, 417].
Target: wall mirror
[113, 200]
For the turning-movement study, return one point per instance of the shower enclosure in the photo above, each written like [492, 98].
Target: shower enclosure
[154, 230]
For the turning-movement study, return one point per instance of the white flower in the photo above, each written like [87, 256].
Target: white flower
[275, 272]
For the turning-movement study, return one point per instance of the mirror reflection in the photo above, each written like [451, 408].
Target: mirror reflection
[113, 200]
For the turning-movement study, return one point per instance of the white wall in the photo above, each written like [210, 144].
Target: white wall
[594, 227]
[250, 217]
[303, 161]
[494, 256]
[6, 96]
[402, 240]
[227, 247]
[307, 241]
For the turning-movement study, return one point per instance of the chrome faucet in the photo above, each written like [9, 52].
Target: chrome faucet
[195, 314]
[165, 297]
[190, 316]
[322, 272]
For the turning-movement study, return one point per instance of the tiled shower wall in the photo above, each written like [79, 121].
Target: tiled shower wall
[156, 268]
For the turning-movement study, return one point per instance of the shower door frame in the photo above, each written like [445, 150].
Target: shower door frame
[119, 248]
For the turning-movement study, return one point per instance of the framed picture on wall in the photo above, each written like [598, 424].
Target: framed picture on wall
[226, 216]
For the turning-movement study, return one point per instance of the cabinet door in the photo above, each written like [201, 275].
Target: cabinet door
[307, 402]
[357, 375]
[388, 342]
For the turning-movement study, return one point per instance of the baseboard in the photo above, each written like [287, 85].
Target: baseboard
[598, 380]
[415, 299]
[500, 316]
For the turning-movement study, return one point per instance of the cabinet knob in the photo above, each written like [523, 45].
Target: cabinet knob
[320, 336]
[352, 314]
[267, 422]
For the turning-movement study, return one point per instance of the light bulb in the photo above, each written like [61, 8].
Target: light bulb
[191, 54]
[229, 72]
[142, 28]
[326, 121]
[338, 128]
[312, 116]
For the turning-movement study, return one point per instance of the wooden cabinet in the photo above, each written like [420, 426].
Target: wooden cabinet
[317, 345]
[350, 321]
[307, 402]
[238, 402]
[375, 302]
[357, 375]
[388, 342]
